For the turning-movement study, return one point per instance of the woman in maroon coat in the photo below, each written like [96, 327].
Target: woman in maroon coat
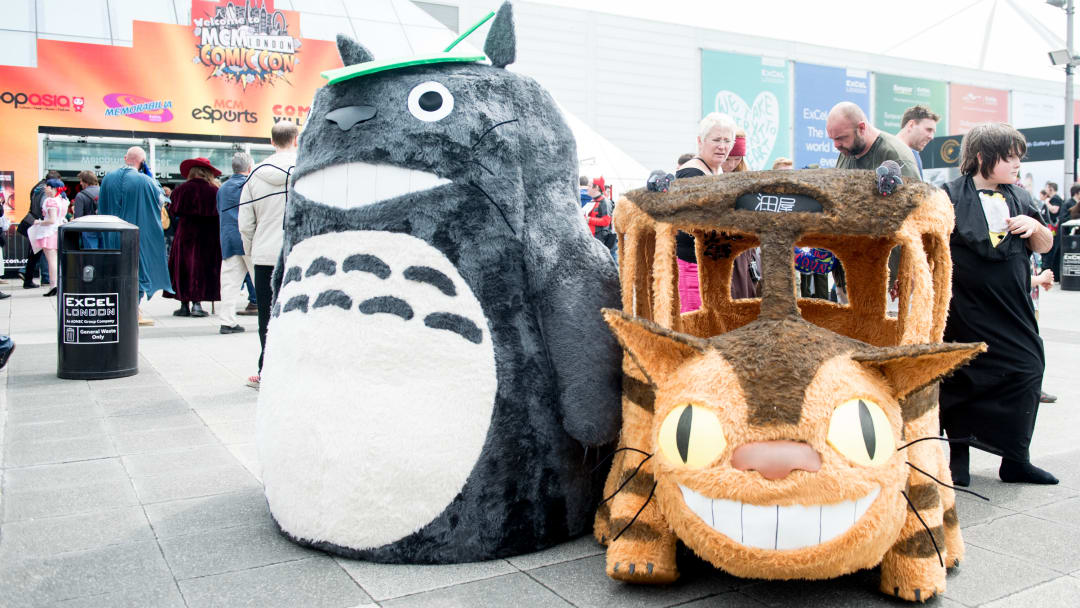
[195, 256]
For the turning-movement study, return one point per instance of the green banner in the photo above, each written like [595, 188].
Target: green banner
[894, 94]
[755, 92]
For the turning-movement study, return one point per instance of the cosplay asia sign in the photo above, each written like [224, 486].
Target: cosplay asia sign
[234, 72]
[817, 89]
[895, 94]
[754, 91]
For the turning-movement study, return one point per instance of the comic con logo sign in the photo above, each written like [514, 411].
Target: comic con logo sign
[42, 101]
[139, 108]
[246, 44]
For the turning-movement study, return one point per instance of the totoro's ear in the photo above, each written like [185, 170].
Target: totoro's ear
[501, 43]
[909, 368]
[351, 51]
[657, 351]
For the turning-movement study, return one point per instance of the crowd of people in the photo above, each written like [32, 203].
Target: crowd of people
[200, 242]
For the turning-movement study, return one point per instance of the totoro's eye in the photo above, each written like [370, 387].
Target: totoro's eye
[691, 436]
[860, 430]
[430, 101]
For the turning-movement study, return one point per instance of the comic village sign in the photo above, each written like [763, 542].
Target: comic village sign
[237, 69]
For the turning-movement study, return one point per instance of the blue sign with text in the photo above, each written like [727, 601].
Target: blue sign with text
[817, 89]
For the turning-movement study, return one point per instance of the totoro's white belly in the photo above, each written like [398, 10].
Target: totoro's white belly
[378, 387]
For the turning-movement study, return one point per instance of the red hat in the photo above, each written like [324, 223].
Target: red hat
[197, 162]
[739, 149]
[599, 182]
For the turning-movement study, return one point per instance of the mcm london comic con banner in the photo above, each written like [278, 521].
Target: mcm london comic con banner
[894, 94]
[238, 68]
[754, 91]
[817, 89]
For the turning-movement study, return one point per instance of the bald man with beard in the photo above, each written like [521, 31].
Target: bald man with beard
[862, 146]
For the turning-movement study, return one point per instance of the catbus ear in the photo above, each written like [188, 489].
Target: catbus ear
[657, 351]
[911, 367]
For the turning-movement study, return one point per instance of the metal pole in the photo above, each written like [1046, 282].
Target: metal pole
[1070, 155]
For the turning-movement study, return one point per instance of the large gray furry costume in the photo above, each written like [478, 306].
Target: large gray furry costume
[436, 364]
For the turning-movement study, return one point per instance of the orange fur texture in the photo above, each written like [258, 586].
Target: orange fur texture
[778, 368]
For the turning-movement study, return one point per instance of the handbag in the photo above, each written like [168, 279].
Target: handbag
[165, 221]
[24, 225]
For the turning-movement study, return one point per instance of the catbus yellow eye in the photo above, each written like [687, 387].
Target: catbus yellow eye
[691, 436]
[860, 430]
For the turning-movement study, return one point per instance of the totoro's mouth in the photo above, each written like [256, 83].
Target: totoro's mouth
[778, 527]
[357, 184]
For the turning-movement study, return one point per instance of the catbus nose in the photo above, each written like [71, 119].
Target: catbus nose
[776, 459]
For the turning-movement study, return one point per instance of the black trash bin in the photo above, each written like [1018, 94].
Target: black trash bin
[98, 300]
[1070, 255]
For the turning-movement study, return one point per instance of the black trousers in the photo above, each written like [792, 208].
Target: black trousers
[32, 260]
[263, 296]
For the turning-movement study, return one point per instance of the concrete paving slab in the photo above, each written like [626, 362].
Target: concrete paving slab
[586, 546]
[162, 440]
[854, 590]
[973, 511]
[385, 581]
[67, 500]
[201, 515]
[1017, 496]
[27, 453]
[161, 595]
[42, 537]
[508, 590]
[229, 550]
[1059, 593]
[248, 455]
[233, 431]
[1064, 466]
[55, 430]
[1038, 541]
[731, 599]
[985, 576]
[1065, 513]
[163, 407]
[121, 569]
[152, 422]
[201, 482]
[584, 583]
[54, 413]
[46, 477]
[317, 582]
[177, 461]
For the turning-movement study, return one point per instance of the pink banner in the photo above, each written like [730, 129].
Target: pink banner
[969, 106]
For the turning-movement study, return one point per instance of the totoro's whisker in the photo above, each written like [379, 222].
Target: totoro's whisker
[964, 490]
[494, 204]
[964, 440]
[928, 532]
[612, 455]
[628, 479]
[482, 166]
[492, 128]
[647, 500]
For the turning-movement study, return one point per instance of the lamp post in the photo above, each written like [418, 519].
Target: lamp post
[1069, 61]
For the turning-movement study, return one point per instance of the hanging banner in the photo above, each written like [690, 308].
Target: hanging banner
[1035, 110]
[237, 69]
[969, 106]
[753, 91]
[895, 94]
[817, 89]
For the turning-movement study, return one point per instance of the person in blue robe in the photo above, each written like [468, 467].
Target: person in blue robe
[135, 198]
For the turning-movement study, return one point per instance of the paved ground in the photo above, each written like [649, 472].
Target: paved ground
[144, 491]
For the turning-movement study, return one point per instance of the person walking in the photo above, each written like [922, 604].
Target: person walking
[994, 400]
[135, 197]
[195, 256]
[261, 221]
[235, 266]
[33, 260]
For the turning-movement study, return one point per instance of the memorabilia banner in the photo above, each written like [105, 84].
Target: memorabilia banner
[969, 106]
[754, 91]
[817, 89]
[894, 94]
[238, 68]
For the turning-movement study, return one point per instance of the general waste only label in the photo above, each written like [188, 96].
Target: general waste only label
[91, 318]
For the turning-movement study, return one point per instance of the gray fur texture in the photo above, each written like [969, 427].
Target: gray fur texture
[351, 51]
[501, 43]
[510, 223]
